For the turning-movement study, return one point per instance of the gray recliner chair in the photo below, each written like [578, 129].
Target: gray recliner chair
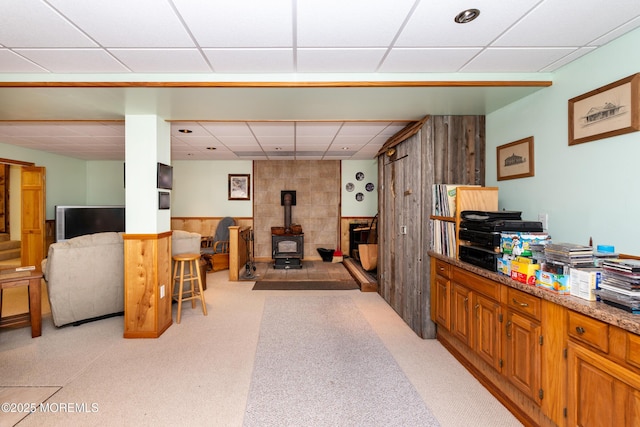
[216, 249]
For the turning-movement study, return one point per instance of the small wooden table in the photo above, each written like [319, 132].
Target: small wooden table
[31, 279]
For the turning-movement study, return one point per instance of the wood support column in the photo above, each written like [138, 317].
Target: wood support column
[147, 284]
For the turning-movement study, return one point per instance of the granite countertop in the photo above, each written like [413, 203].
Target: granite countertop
[598, 310]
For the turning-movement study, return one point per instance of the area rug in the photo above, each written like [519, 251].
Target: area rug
[301, 285]
[319, 363]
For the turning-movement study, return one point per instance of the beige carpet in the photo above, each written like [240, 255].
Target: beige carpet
[198, 373]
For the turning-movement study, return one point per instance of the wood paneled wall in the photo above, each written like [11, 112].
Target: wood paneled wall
[447, 149]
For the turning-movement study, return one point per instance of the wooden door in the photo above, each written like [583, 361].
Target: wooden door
[404, 280]
[33, 215]
[442, 302]
[523, 354]
[486, 330]
[460, 319]
[5, 171]
[601, 392]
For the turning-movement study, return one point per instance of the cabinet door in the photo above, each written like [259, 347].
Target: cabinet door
[523, 354]
[442, 302]
[601, 392]
[460, 319]
[486, 330]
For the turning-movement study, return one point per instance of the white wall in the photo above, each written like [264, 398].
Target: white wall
[369, 204]
[200, 188]
[66, 177]
[105, 183]
[590, 189]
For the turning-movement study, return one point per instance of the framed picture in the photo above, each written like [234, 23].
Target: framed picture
[239, 187]
[607, 111]
[515, 160]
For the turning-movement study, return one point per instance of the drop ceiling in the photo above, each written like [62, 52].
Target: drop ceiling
[278, 78]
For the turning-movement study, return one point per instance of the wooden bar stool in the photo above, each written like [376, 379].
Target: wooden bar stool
[191, 260]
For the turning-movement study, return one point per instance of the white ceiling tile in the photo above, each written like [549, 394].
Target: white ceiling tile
[276, 140]
[74, 60]
[338, 60]
[237, 140]
[354, 23]
[32, 23]
[251, 60]
[362, 128]
[548, 24]
[261, 129]
[13, 63]
[567, 59]
[432, 24]
[198, 141]
[613, 34]
[253, 23]
[351, 140]
[514, 60]
[162, 60]
[220, 129]
[125, 23]
[317, 129]
[427, 60]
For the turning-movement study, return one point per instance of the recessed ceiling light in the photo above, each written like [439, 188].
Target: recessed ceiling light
[345, 148]
[466, 16]
[185, 130]
[278, 148]
[211, 148]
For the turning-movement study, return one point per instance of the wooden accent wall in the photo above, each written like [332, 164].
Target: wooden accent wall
[206, 226]
[147, 284]
[238, 239]
[447, 149]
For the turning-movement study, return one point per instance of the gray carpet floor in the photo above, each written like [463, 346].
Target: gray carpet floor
[331, 370]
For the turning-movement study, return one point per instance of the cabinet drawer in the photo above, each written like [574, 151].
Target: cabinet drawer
[476, 283]
[589, 331]
[524, 303]
[443, 268]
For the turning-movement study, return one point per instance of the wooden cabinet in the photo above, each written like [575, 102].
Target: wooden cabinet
[548, 364]
[460, 319]
[601, 392]
[486, 330]
[603, 381]
[441, 292]
[476, 314]
[522, 353]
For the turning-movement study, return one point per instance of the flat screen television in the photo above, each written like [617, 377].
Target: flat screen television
[165, 176]
[73, 221]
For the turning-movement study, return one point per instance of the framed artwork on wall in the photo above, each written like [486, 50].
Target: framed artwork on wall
[515, 160]
[239, 187]
[607, 111]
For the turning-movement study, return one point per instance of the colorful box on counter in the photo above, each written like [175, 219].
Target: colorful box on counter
[584, 282]
[503, 266]
[524, 271]
[558, 283]
[519, 243]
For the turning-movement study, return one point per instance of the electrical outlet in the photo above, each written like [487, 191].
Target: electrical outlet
[544, 219]
[161, 291]
[403, 229]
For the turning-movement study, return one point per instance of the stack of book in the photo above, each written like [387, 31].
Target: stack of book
[620, 286]
[569, 255]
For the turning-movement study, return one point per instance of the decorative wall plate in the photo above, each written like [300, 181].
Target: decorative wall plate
[359, 176]
[350, 187]
[359, 197]
[369, 186]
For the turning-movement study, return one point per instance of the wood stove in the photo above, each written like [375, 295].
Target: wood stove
[287, 244]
